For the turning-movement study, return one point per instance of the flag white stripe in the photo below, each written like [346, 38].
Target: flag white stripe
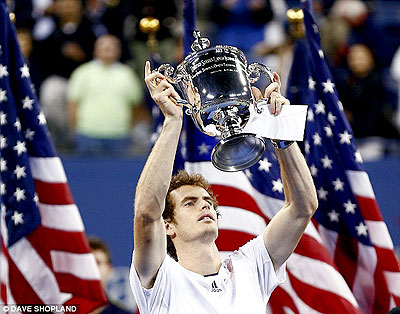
[393, 281]
[379, 234]
[3, 228]
[360, 184]
[364, 282]
[233, 218]
[329, 239]
[61, 217]
[47, 169]
[80, 265]
[323, 276]
[37, 274]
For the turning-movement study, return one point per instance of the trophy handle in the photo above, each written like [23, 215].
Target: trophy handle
[168, 72]
[254, 71]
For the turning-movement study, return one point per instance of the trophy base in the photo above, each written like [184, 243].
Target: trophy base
[238, 152]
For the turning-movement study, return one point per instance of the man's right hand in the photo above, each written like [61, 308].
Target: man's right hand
[163, 93]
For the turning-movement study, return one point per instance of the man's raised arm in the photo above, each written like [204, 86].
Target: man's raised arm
[285, 229]
[152, 188]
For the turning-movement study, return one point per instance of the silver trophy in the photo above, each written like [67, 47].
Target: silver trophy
[215, 83]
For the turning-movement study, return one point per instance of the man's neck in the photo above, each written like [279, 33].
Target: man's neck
[203, 259]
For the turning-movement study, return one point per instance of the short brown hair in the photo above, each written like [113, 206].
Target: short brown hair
[97, 244]
[180, 179]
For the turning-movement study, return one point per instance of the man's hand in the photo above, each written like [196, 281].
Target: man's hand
[273, 93]
[163, 93]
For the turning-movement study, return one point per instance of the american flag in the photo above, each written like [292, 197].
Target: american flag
[345, 261]
[45, 256]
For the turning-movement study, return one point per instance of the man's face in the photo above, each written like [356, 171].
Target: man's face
[195, 217]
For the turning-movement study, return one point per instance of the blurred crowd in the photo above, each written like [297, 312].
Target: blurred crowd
[86, 60]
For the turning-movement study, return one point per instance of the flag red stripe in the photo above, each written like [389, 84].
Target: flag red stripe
[3, 293]
[53, 193]
[387, 259]
[45, 239]
[87, 289]
[230, 196]
[382, 294]
[369, 208]
[318, 299]
[84, 305]
[20, 288]
[280, 299]
[310, 247]
[230, 240]
[346, 257]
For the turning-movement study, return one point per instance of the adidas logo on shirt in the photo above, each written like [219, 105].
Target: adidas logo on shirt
[214, 287]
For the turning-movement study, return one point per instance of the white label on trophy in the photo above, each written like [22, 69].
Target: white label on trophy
[288, 125]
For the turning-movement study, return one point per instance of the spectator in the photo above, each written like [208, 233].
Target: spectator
[165, 11]
[364, 96]
[102, 96]
[25, 40]
[103, 259]
[395, 72]
[235, 17]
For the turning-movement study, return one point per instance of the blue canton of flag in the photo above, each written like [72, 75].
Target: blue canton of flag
[45, 257]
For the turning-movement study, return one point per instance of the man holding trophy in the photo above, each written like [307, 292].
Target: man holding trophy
[181, 211]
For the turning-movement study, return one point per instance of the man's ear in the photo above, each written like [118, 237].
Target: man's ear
[169, 227]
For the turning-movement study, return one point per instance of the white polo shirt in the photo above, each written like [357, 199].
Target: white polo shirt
[243, 284]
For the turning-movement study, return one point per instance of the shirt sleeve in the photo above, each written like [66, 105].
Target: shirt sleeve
[257, 255]
[145, 298]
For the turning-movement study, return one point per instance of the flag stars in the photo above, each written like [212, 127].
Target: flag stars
[3, 118]
[3, 165]
[36, 199]
[357, 156]
[326, 162]
[18, 218]
[313, 170]
[319, 107]
[3, 95]
[333, 216]
[361, 229]
[17, 124]
[248, 173]
[311, 83]
[41, 118]
[264, 164]
[3, 142]
[24, 71]
[331, 118]
[204, 149]
[2, 189]
[317, 139]
[340, 105]
[322, 194]
[27, 103]
[321, 53]
[277, 186]
[29, 134]
[345, 137]
[20, 172]
[307, 147]
[338, 185]
[310, 115]
[20, 148]
[349, 207]
[19, 194]
[328, 86]
[315, 28]
[3, 71]
[328, 131]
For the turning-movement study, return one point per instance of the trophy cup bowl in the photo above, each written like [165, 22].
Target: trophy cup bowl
[215, 84]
